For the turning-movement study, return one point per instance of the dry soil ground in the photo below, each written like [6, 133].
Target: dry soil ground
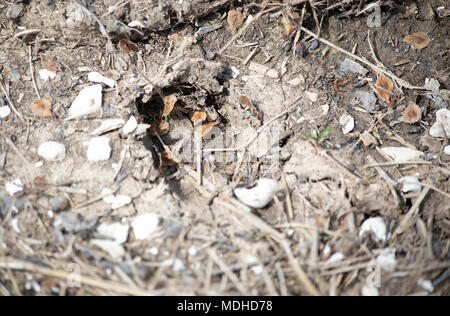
[54, 233]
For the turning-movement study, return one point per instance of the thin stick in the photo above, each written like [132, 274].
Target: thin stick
[122, 159]
[93, 200]
[27, 32]
[400, 81]
[288, 198]
[246, 26]
[233, 278]
[109, 45]
[405, 223]
[32, 73]
[14, 148]
[19, 115]
[282, 280]
[391, 164]
[8, 263]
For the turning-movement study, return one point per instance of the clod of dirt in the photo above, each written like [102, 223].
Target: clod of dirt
[52, 151]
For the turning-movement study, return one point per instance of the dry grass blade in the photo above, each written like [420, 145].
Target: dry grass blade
[8, 263]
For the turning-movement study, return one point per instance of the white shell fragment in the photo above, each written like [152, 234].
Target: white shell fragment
[376, 227]
[88, 100]
[144, 225]
[14, 186]
[47, 75]
[99, 78]
[402, 154]
[52, 151]
[410, 183]
[108, 126]
[336, 257]
[117, 232]
[99, 149]
[347, 122]
[117, 201]
[447, 150]
[442, 126]
[130, 126]
[387, 261]
[115, 250]
[5, 111]
[427, 285]
[259, 196]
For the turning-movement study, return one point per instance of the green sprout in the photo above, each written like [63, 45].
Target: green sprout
[321, 136]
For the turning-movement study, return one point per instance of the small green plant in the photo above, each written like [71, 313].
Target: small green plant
[321, 136]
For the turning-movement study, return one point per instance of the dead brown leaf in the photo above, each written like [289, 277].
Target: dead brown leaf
[288, 27]
[205, 129]
[418, 40]
[40, 183]
[412, 114]
[167, 158]
[235, 19]
[197, 117]
[41, 108]
[163, 127]
[385, 87]
[128, 46]
[169, 104]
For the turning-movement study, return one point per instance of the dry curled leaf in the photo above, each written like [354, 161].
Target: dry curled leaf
[246, 101]
[418, 40]
[385, 87]
[128, 46]
[412, 114]
[167, 158]
[235, 19]
[205, 129]
[41, 107]
[288, 27]
[40, 183]
[197, 117]
[163, 128]
[49, 62]
[169, 104]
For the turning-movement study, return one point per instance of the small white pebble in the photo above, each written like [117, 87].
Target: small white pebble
[258, 269]
[178, 265]
[192, 251]
[347, 122]
[117, 201]
[108, 126]
[99, 78]
[5, 111]
[50, 214]
[427, 285]
[376, 226]
[387, 261]
[410, 183]
[99, 149]
[47, 75]
[52, 151]
[115, 231]
[447, 150]
[39, 164]
[259, 196]
[14, 186]
[144, 225]
[88, 100]
[154, 251]
[130, 126]
[336, 257]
